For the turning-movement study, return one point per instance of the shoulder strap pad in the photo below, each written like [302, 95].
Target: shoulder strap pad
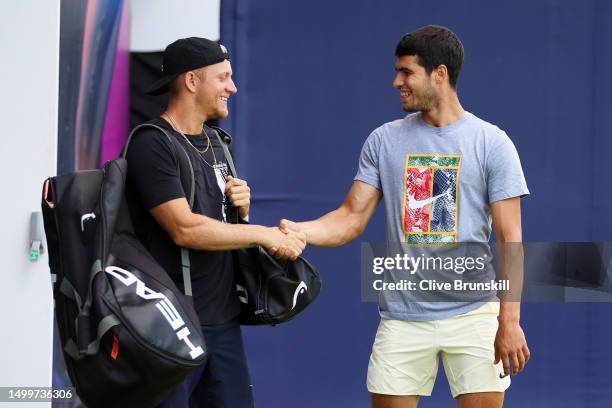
[184, 163]
[224, 135]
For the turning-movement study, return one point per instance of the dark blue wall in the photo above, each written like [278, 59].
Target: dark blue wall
[314, 80]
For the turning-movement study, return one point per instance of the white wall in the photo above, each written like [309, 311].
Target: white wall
[156, 23]
[29, 73]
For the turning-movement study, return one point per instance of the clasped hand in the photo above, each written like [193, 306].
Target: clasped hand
[292, 241]
[239, 195]
[282, 244]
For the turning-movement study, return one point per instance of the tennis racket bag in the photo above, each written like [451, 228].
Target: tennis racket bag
[128, 334]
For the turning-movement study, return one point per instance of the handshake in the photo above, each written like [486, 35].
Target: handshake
[287, 241]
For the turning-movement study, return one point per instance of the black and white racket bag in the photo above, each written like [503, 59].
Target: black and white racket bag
[128, 334]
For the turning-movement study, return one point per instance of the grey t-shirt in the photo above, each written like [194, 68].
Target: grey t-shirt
[438, 184]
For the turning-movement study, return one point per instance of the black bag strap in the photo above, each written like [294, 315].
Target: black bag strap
[184, 164]
[225, 139]
[72, 349]
[184, 167]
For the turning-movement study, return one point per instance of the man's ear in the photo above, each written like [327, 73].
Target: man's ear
[440, 73]
[190, 81]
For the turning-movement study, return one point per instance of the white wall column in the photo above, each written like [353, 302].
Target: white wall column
[29, 75]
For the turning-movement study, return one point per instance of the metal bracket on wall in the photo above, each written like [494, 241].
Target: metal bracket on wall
[36, 236]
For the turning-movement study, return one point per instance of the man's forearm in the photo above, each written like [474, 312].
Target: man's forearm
[344, 224]
[511, 269]
[333, 229]
[203, 233]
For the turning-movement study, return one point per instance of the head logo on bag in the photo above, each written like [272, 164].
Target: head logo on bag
[301, 288]
[243, 295]
[166, 307]
[86, 217]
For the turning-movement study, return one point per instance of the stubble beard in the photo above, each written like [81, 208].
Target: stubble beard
[425, 100]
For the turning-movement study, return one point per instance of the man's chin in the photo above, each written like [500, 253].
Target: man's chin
[220, 114]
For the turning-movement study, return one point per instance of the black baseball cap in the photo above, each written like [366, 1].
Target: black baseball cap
[185, 55]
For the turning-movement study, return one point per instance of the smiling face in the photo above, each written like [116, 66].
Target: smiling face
[214, 89]
[416, 86]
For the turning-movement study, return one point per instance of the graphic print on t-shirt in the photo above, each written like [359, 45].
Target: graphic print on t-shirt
[431, 194]
[222, 172]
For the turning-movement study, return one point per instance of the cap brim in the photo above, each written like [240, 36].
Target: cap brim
[161, 85]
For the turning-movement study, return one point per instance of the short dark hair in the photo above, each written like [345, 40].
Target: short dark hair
[434, 45]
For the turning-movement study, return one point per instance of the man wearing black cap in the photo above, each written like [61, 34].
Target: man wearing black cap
[198, 77]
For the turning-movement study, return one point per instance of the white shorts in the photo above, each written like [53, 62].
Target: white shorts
[404, 358]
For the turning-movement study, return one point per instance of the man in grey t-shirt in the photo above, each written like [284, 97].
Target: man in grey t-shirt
[445, 176]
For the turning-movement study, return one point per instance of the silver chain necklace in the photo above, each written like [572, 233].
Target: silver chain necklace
[201, 152]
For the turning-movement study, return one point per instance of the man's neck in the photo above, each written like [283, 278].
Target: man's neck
[448, 111]
[184, 118]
